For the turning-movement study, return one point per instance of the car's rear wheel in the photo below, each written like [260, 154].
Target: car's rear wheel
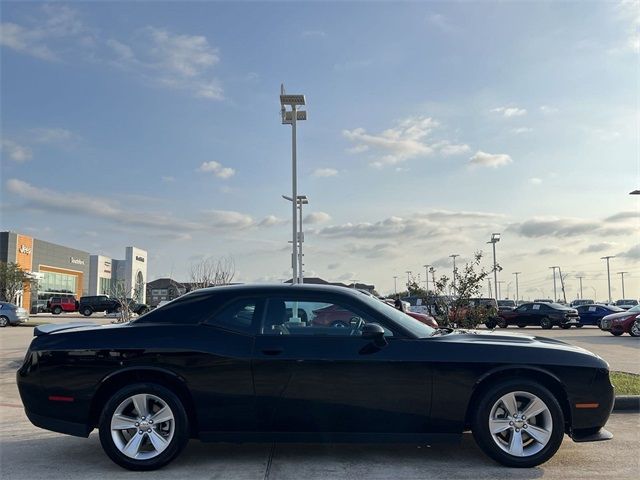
[143, 427]
[521, 325]
[519, 423]
[4, 321]
[634, 331]
[502, 323]
[617, 331]
[546, 323]
[580, 325]
[87, 311]
[56, 310]
[565, 326]
[490, 323]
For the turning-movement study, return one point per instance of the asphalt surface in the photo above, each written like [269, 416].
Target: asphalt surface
[29, 453]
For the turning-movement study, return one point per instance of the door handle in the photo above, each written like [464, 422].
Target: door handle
[272, 351]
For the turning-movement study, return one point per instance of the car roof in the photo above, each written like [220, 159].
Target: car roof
[280, 288]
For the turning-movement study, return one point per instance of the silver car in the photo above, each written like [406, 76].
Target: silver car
[11, 314]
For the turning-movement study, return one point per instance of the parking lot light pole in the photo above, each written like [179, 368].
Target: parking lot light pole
[607, 258]
[580, 279]
[495, 238]
[408, 272]
[622, 279]
[453, 282]
[395, 284]
[291, 117]
[426, 277]
[517, 291]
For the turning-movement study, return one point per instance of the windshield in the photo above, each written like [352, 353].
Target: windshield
[417, 328]
[634, 309]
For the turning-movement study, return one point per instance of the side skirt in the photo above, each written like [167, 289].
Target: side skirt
[328, 437]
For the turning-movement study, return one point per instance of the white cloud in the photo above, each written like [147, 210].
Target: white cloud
[397, 144]
[535, 181]
[228, 219]
[271, 221]
[484, 159]
[440, 21]
[566, 227]
[316, 217]
[325, 172]
[168, 179]
[510, 111]
[449, 149]
[349, 65]
[17, 153]
[548, 109]
[314, 33]
[217, 169]
[628, 14]
[521, 130]
[54, 22]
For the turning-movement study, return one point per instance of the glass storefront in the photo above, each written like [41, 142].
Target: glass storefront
[104, 287]
[57, 283]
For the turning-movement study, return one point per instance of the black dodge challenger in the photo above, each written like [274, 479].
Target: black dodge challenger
[248, 363]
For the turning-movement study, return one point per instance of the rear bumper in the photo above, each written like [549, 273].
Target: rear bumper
[60, 426]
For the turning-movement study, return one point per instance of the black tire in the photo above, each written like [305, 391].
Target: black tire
[617, 332]
[176, 444]
[579, 325]
[564, 326]
[484, 438]
[502, 323]
[4, 321]
[521, 325]
[546, 323]
[599, 324]
[56, 310]
[490, 324]
[634, 330]
[86, 311]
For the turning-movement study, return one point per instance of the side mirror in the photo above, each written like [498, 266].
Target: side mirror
[375, 333]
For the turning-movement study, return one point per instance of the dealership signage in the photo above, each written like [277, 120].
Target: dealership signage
[76, 261]
[139, 258]
[24, 249]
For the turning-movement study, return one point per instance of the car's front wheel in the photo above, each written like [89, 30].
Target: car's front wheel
[634, 331]
[87, 311]
[143, 427]
[4, 321]
[519, 423]
[56, 310]
[546, 323]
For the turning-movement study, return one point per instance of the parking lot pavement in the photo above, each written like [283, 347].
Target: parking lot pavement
[29, 453]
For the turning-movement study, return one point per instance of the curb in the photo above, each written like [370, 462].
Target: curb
[627, 403]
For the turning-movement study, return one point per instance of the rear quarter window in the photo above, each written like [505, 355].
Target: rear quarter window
[190, 309]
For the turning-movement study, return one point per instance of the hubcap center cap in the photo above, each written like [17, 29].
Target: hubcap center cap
[519, 423]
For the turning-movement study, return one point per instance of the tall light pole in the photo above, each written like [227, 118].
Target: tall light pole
[291, 117]
[453, 283]
[495, 238]
[426, 277]
[517, 291]
[580, 277]
[555, 296]
[622, 279]
[607, 258]
[395, 284]
[408, 272]
[500, 282]
[302, 200]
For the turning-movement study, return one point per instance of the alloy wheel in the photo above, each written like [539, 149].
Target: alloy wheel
[142, 426]
[635, 329]
[520, 424]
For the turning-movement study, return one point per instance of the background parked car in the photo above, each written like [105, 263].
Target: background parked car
[57, 305]
[622, 322]
[542, 314]
[626, 304]
[581, 301]
[592, 314]
[104, 303]
[506, 305]
[543, 300]
[11, 314]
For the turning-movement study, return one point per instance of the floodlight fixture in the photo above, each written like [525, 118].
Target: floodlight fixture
[291, 100]
[495, 237]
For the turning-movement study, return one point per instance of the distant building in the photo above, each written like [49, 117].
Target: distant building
[61, 270]
[164, 289]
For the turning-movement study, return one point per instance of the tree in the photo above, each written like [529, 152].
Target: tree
[459, 311]
[122, 296]
[211, 272]
[13, 279]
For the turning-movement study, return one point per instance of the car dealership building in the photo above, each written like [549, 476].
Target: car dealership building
[61, 270]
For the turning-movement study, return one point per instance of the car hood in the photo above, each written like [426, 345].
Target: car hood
[53, 328]
[615, 316]
[496, 337]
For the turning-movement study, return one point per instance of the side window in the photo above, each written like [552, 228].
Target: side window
[523, 308]
[289, 317]
[238, 316]
[189, 309]
[592, 309]
[537, 307]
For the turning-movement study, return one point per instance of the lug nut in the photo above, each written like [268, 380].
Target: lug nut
[517, 429]
[140, 432]
[525, 425]
[137, 424]
[523, 417]
[150, 421]
[148, 430]
[142, 418]
[511, 423]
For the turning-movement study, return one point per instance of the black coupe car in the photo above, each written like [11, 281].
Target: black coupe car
[240, 364]
[545, 315]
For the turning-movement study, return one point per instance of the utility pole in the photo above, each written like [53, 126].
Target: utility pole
[453, 283]
[408, 272]
[564, 294]
[426, 277]
[395, 284]
[607, 258]
[517, 291]
[500, 282]
[622, 278]
[555, 294]
[580, 279]
[433, 277]
[489, 284]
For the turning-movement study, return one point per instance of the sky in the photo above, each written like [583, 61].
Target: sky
[430, 126]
